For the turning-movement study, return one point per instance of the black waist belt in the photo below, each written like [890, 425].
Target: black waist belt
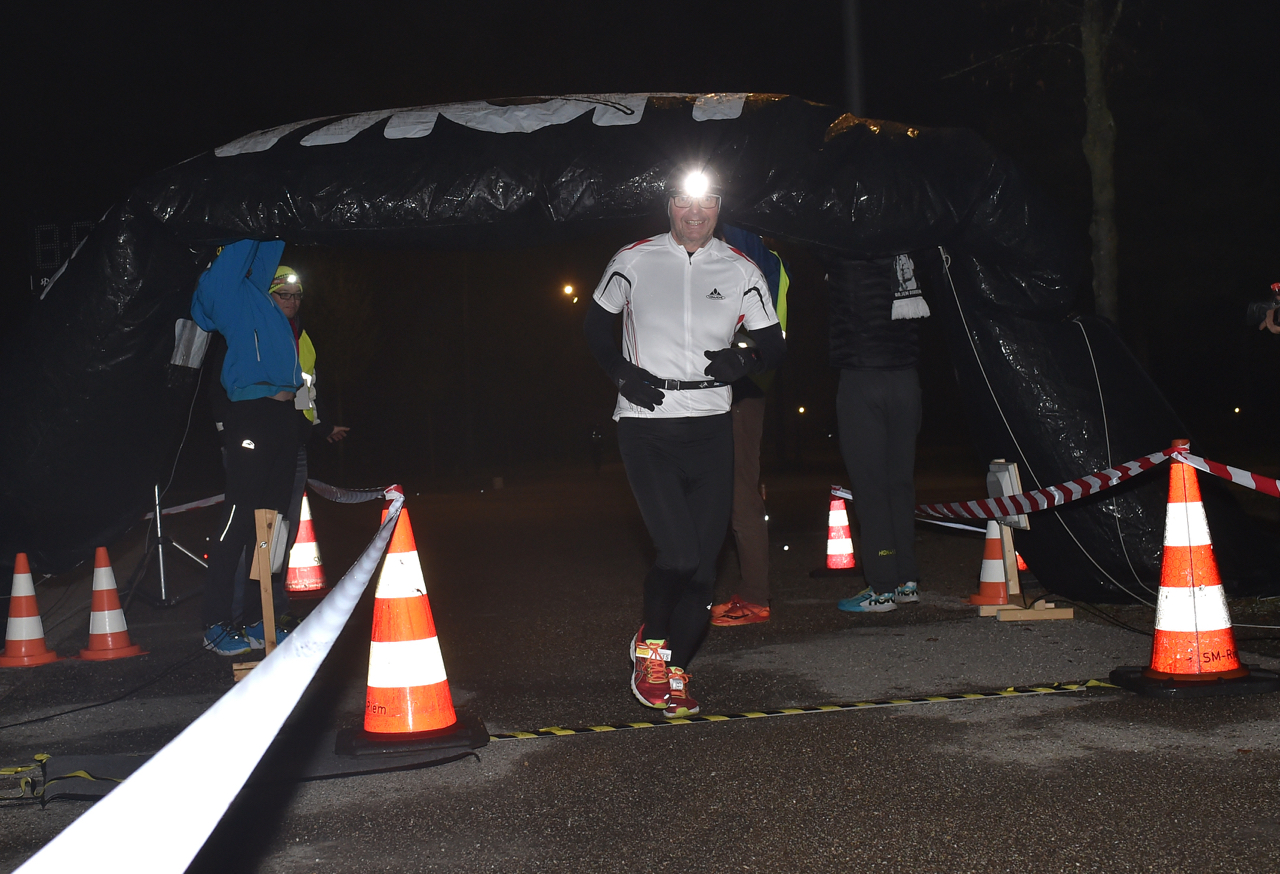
[688, 384]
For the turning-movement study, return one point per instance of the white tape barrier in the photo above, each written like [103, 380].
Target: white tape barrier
[159, 814]
[193, 505]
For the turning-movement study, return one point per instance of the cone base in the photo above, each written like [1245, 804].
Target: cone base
[1137, 679]
[467, 733]
[29, 661]
[818, 573]
[102, 655]
[308, 594]
[990, 594]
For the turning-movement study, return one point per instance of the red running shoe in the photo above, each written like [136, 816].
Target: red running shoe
[649, 673]
[736, 611]
[679, 701]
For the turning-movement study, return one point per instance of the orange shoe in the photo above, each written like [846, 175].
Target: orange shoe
[738, 612]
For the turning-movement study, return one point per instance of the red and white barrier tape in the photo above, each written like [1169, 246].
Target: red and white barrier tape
[1047, 498]
[1264, 484]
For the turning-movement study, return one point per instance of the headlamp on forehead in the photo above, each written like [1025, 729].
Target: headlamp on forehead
[286, 282]
[697, 186]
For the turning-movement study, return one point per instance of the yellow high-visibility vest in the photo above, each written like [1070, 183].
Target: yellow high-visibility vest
[307, 363]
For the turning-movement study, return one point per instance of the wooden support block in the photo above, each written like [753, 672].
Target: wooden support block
[1037, 613]
[266, 521]
[995, 609]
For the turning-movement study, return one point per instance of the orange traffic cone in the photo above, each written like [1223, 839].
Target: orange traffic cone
[840, 560]
[993, 588]
[108, 635]
[24, 637]
[1022, 563]
[1193, 651]
[306, 574]
[408, 692]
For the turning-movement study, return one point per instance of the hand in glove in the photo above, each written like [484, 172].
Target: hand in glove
[634, 385]
[731, 363]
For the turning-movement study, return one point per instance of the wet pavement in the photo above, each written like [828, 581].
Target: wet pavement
[535, 590]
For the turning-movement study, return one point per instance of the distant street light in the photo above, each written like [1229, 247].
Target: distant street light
[802, 409]
[568, 289]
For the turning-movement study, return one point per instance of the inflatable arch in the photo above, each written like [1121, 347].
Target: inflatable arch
[97, 392]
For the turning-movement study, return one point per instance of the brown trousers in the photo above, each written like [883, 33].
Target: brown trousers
[750, 530]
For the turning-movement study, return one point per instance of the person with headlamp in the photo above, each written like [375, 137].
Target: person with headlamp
[682, 295]
[261, 377]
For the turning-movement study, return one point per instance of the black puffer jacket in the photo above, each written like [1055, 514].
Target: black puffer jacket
[863, 334]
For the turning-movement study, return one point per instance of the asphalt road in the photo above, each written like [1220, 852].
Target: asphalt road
[535, 591]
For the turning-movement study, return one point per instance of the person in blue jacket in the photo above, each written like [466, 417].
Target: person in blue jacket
[261, 375]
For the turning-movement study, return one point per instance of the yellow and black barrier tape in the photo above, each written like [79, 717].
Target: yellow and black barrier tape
[1012, 691]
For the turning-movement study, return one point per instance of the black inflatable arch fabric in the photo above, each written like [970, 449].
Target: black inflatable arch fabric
[96, 409]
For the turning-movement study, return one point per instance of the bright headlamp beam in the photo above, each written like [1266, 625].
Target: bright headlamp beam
[696, 184]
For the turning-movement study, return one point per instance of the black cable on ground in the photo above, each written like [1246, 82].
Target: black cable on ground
[1104, 615]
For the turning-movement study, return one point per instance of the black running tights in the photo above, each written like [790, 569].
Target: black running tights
[681, 473]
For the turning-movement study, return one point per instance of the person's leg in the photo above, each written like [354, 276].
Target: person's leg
[902, 422]
[294, 516]
[654, 473]
[278, 491]
[750, 530]
[707, 468]
[864, 444]
[249, 459]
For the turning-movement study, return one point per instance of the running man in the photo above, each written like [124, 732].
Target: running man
[681, 295]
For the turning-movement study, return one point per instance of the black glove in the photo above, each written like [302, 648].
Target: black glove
[634, 384]
[732, 363]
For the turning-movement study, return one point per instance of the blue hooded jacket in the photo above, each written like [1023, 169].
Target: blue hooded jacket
[232, 298]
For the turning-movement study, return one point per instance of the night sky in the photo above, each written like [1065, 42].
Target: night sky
[104, 98]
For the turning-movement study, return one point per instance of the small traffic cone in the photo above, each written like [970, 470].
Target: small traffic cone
[993, 588]
[108, 635]
[306, 574]
[408, 692]
[1022, 563]
[24, 637]
[840, 560]
[1193, 650]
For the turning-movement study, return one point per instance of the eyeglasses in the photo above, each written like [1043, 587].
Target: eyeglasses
[288, 295]
[706, 201]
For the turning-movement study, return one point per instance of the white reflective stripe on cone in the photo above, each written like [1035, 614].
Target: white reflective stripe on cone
[1186, 525]
[1192, 608]
[839, 546]
[304, 555]
[106, 622]
[992, 571]
[24, 628]
[103, 578]
[404, 663]
[838, 519]
[401, 576]
[22, 586]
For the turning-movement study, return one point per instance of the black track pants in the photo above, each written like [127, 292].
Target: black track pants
[261, 438]
[681, 473]
[879, 414]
